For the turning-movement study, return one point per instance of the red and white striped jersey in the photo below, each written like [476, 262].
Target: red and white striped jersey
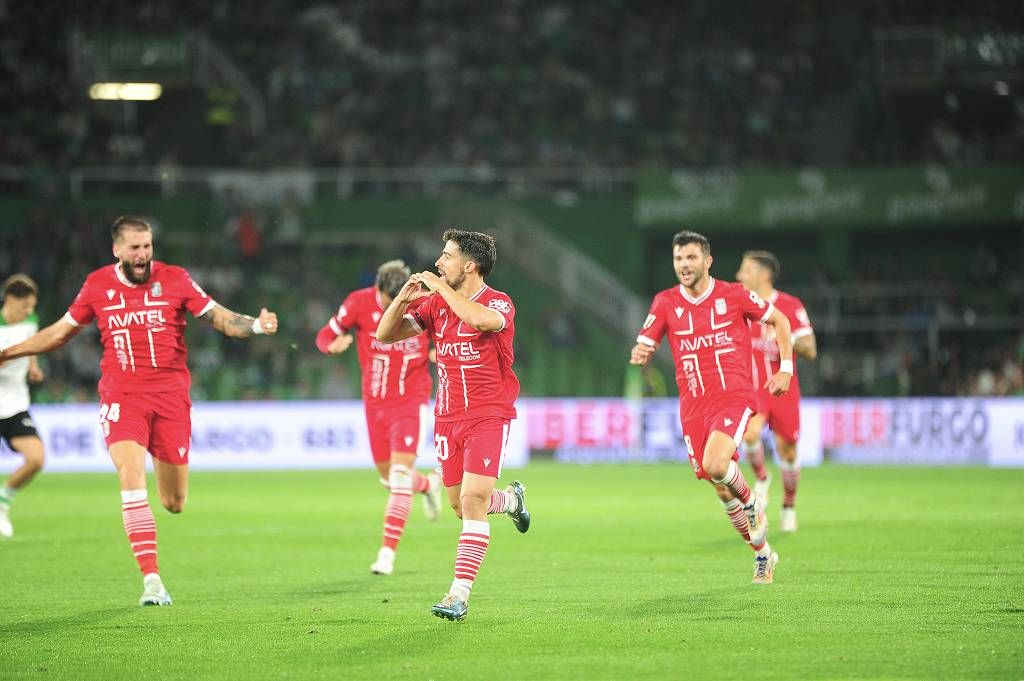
[142, 326]
[394, 374]
[766, 348]
[474, 368]
[709, 337]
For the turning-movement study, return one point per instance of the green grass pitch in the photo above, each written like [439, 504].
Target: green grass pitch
[628, 572]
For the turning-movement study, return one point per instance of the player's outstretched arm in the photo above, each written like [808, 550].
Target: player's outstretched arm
[50, 338]
[236, 325]
[806, 347]
[393, 326]
[779, 383]
[480, 317]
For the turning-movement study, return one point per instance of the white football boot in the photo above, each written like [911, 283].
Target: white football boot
[764, 568]
[153, 591]
[6, 529]
[385, 563]
[787, 520]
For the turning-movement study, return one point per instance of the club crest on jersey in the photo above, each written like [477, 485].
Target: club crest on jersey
[719, 305]
[500, 305]
[156, 289]
[110, 294]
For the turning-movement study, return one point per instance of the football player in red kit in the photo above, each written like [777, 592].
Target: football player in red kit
[395, 389]
[139, 305]
[705, 321]
[758, 272]
[472, 327]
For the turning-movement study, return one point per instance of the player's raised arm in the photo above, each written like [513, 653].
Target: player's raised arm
[779, 383]
[50, 338]
[393, 325]
[237, 325]
[480, 317]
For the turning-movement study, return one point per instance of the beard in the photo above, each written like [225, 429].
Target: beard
[129, 272]
[454, 283]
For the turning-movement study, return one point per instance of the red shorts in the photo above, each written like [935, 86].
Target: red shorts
[474, 446]
[394, 430]
[729, 416]
[160, 422]
[781, 413]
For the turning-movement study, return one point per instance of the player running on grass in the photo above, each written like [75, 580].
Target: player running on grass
[18, 322]
[758, 272]
[706, 322]
[472, 326]
[139, 305]
[396, 389]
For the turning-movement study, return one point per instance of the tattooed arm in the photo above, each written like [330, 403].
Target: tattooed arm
[238, 325]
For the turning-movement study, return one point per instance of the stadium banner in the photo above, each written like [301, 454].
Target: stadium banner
[241, 436]
[817, 197]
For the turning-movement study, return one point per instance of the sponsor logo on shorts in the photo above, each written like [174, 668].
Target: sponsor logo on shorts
[181, 451]
[487, 463]
[408, 440]
[728, 422]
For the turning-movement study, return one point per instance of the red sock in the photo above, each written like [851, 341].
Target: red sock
[420, 483]
[473, 542]
[755, 455]
[790, 480]
[399, 504]
[736, 483]
[738, 517]
[140, 526]
[501, 501]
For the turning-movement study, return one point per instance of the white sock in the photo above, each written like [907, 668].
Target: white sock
[7, 495]
[461, 588]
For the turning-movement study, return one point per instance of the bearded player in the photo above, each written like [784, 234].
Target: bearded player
[472, 326]
[139, 305]
[706, 322]
[759, 270]
[18, 322]
[395, 388]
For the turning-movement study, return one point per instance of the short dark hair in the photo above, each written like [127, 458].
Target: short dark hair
[683, 238]
[391, 277]
[125, 222]
[477, 246]
[20, 286]
[767, 260]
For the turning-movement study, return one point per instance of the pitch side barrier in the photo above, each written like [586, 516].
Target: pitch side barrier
[329, 434]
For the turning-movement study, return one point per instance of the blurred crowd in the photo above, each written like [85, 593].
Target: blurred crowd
[527, 83]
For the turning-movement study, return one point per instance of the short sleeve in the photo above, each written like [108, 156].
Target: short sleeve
[345, 318]
[754, 307]
[504, 307]
[80, 313]
[653, 329]
[800, 322]
[195, 298]
[422, 315]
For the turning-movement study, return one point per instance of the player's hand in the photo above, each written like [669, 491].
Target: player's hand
[430, 280]
[340, 344]
[778, 384]
[268, 321]
[641, 354]
[412, 290]
[35, 374]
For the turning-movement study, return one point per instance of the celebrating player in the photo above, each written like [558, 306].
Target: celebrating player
[758, 272]
[706, 322]
[472, 326]
[18, 322]
[139, 305]
[396, 388]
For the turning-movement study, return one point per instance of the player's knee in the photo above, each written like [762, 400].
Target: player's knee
[722, 491]
[175, 503]
[716, 470]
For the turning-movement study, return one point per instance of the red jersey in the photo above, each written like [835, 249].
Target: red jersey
[474, 368]
[142, 326]
[710, 340]
[766, 349]
[393, 373]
